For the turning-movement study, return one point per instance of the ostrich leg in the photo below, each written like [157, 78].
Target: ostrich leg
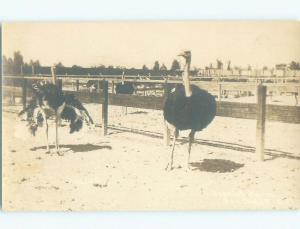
[170, 164]
[36, 113]
[191, 140]
[46, 131]
[57, 120]
[56, 134]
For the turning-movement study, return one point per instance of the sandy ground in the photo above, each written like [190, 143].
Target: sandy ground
[125, 169]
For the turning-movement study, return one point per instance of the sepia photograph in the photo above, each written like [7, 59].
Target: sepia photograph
[150, 116]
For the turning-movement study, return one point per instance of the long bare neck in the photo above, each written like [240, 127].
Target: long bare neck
[186, 80]
[123, 77]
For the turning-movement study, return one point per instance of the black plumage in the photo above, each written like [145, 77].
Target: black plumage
[75, 118]
[189, 113]
[125, 88]
[48, 100]
[48, 95]
[188, 107]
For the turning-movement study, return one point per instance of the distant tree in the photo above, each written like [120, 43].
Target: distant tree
[17, 63]
[195, 71]
[8, 65]
[59, 65]
[156, 66]
[219, 64]
[76, 66]
[175, 65]
[228, 65]
[249, 67]
[294, 65]
[35, 63]
[145, 68]
[236, 68]
[163, 68]
[265, 68]
[101, 66]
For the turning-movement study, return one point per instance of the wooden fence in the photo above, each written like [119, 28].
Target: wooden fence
[259, 111]
[287, 114]
[215, 87]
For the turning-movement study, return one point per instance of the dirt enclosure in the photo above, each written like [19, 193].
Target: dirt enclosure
[125, 170]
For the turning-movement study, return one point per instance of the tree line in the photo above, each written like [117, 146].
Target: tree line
[16, 66]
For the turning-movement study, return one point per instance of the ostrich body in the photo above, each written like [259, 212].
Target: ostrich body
[187, 107]
[126, 88]
[48, 100]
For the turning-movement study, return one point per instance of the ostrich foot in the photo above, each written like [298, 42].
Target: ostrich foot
[169, 167]
[59, 153]
[187, 168]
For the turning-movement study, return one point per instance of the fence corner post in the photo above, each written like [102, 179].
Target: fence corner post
[261, 120]
[104, 107]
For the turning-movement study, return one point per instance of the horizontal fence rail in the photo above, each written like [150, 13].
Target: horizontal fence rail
[287, 114]
[161, 77]
[259, 111]
[211, 86]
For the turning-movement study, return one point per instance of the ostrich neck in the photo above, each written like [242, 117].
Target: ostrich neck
[186, 80]
[123, 78]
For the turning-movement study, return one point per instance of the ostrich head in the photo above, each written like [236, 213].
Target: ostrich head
[187, 55]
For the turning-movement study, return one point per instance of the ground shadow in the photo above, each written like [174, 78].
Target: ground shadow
[77, 148]
[273, 153]
[139, 112]
[216, 166]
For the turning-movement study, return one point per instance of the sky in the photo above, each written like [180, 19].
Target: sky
[133, 44]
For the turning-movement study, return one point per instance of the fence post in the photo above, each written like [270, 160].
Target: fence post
[56, 81]
[53, 75]
[104, 107]
[59, 84]
[24, 93]
[166, 138]
[32, 69]
[113, 87]
[99, 86]
[219, 91]
[261, 118]
[77, 85]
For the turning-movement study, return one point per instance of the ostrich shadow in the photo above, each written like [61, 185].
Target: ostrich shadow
[139, 112]
[216, 166]
[77, 147]
[273, 153]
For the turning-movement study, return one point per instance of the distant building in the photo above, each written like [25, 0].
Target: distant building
[280, 66]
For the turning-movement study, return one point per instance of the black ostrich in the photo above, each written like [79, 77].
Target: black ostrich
[124, 88]
[187, 107]
[48, 100]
